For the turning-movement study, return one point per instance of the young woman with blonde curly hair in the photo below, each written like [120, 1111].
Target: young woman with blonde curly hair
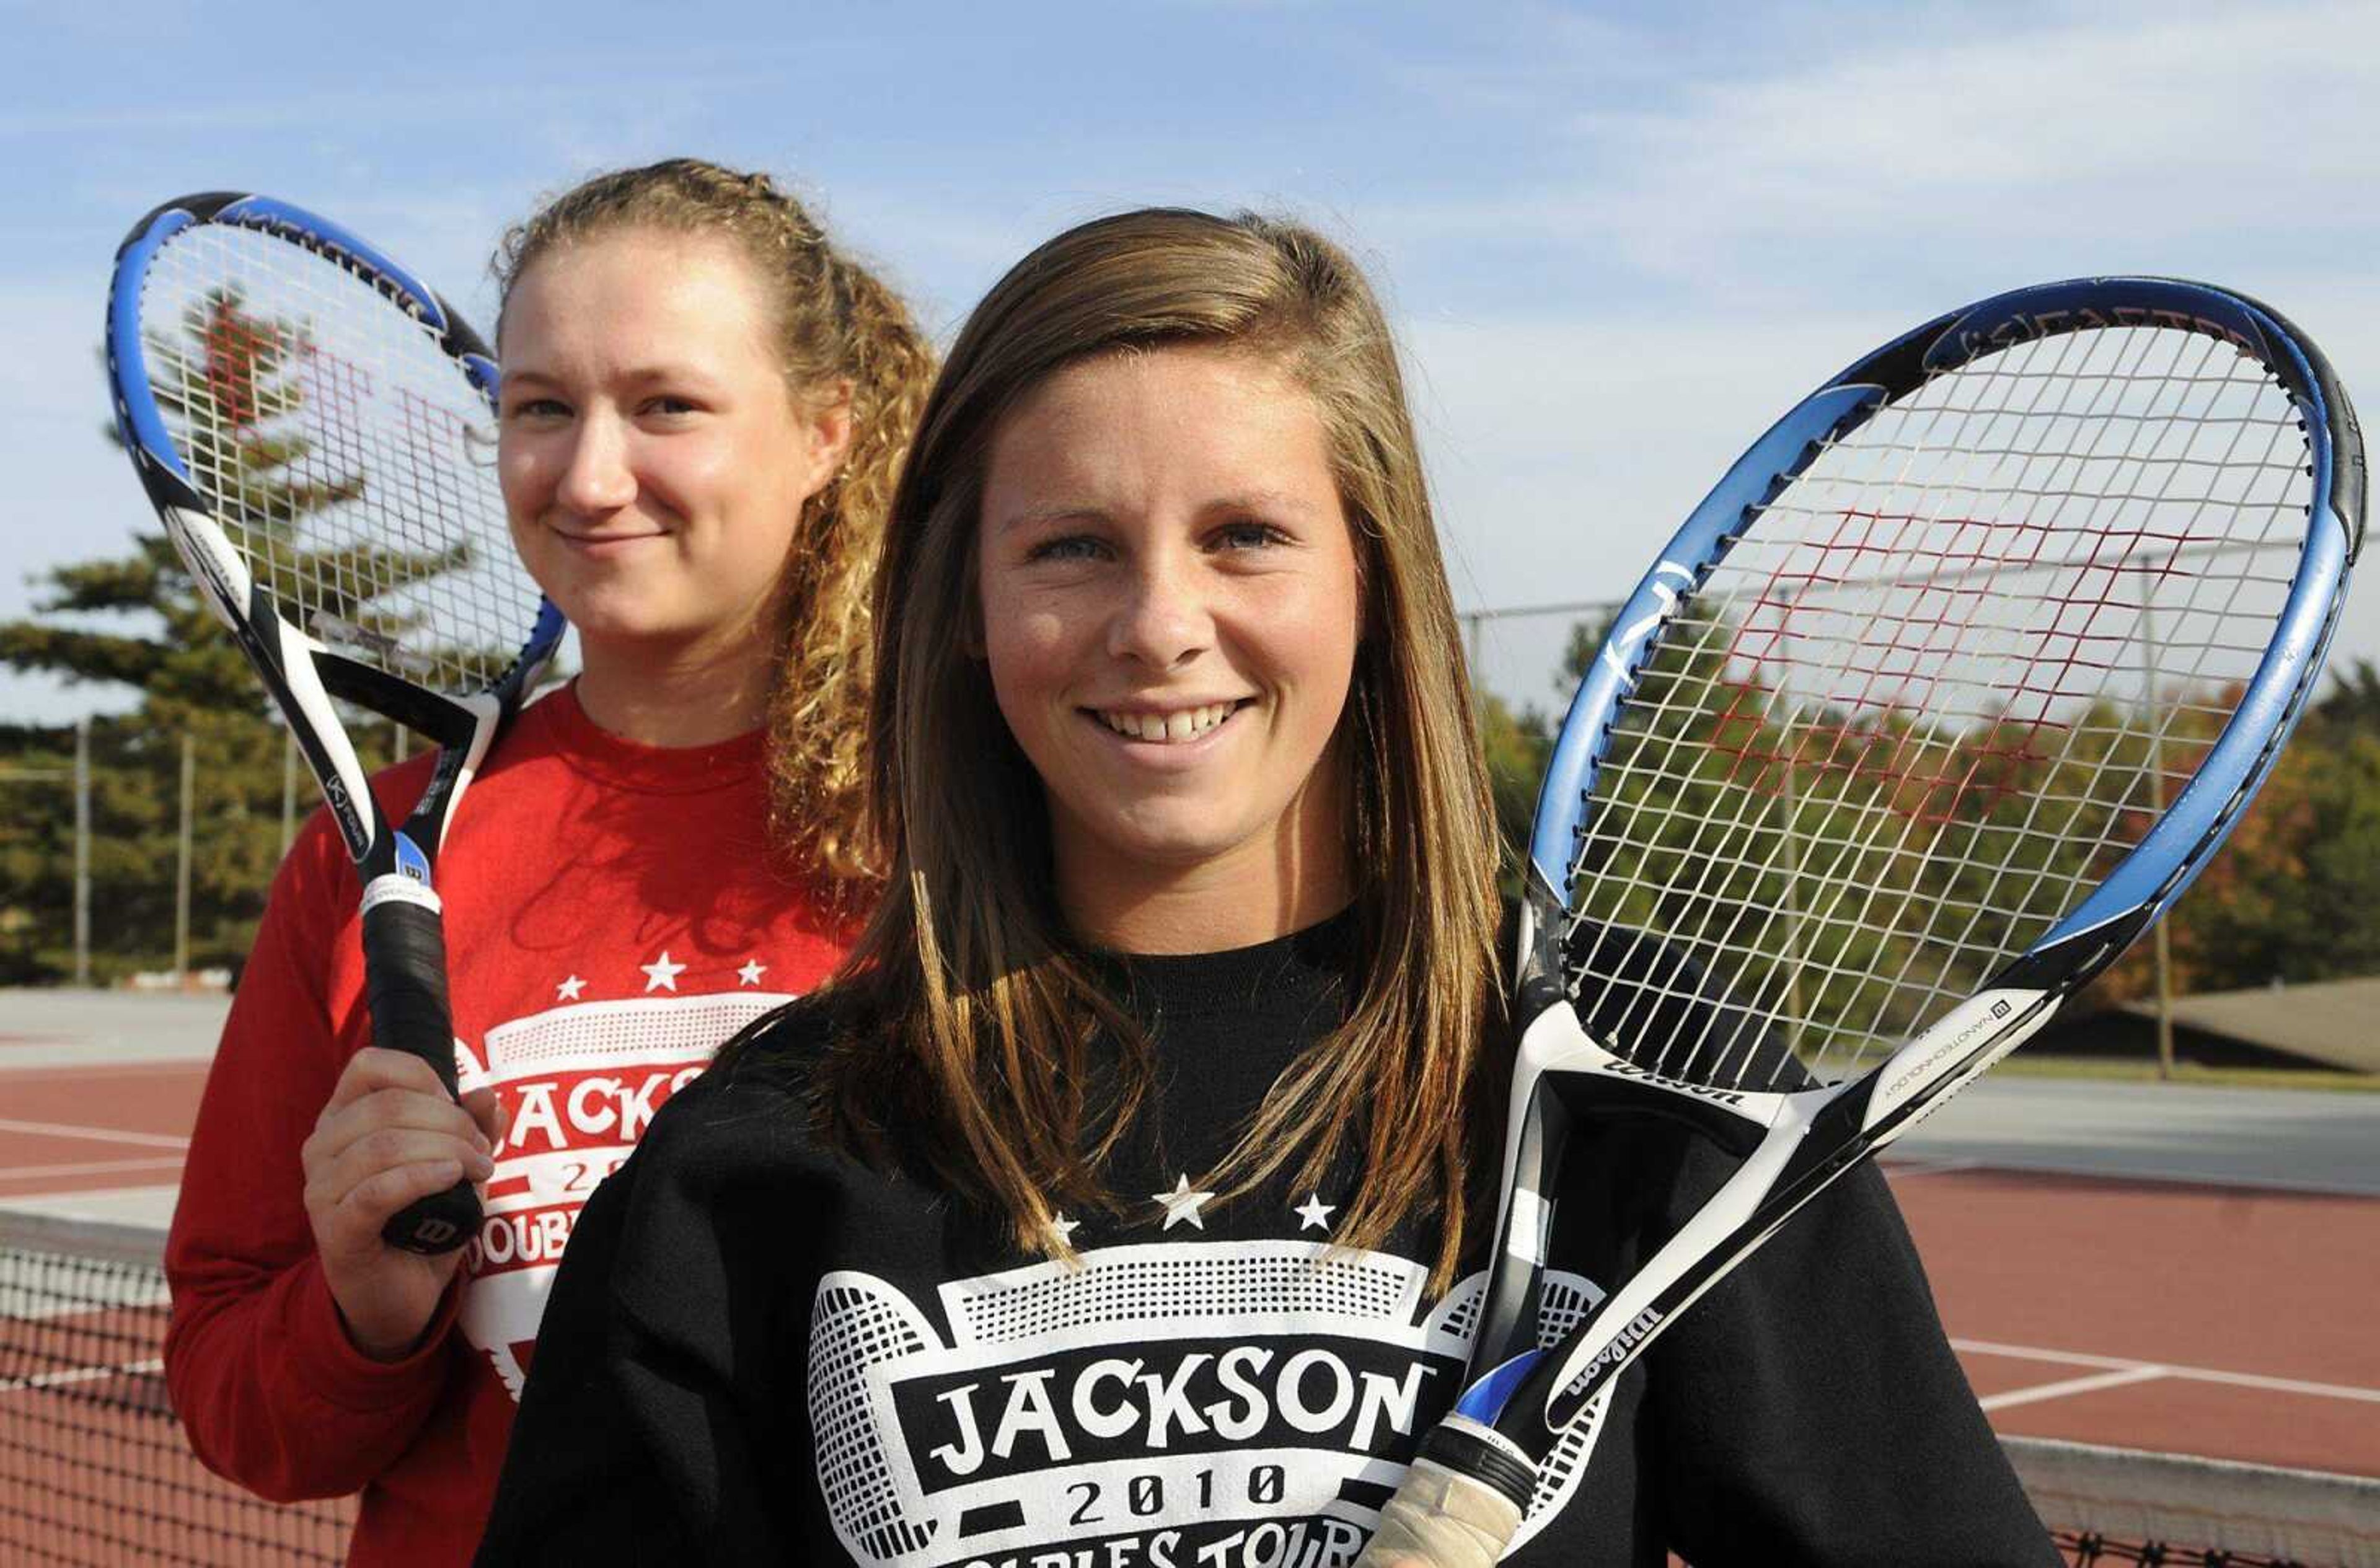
[1120, 1203]
[705, 404]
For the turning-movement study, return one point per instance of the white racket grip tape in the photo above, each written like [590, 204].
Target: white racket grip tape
[1440, 1519]
[397, 886]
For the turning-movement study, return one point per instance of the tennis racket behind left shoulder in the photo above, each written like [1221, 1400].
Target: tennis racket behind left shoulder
[316, 429]
[1940, 699]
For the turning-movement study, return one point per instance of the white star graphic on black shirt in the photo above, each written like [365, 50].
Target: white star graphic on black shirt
[1182, 1204]
[1314, 1214]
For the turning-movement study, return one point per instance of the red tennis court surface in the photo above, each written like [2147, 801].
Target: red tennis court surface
[2225, 1322]
[79, 1129]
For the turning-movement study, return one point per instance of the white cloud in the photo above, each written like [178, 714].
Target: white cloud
[1715, 241]
[2121, 128]
[1670, 229]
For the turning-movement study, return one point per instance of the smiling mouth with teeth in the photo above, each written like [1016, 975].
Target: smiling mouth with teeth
[1183, 723]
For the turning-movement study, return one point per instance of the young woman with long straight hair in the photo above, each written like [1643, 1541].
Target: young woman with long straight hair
[1121, 1202]
[705, 403]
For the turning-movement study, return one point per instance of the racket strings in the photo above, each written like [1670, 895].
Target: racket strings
[2159, 714]
[2078, 650]
[2079, 642]
[1803, 908]
[2053, 596]
[346, 455]
[1933, 692]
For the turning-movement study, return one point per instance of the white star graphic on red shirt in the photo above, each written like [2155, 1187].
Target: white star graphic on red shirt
[751, 972]
[568, 989]
[661, 974]
[1182, 1204]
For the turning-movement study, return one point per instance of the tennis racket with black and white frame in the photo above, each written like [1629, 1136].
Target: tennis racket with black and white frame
[1941, 699]
[316, 429]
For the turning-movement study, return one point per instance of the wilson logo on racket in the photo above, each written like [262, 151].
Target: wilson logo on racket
[1621, 1067]
[1640, 1329]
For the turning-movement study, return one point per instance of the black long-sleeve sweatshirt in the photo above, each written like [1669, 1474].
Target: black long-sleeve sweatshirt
[759, 1349]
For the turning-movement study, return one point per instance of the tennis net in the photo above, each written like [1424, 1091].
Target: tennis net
[93, 1469]
[2115, 1506]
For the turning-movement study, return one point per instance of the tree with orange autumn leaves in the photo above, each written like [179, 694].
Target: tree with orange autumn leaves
[2293, 896]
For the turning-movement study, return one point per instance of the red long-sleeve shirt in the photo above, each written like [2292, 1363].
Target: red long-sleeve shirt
[612, 913]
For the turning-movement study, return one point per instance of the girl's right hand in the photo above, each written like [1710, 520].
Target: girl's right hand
[390, 1134]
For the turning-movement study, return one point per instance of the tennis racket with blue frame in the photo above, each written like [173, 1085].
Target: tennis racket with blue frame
[316, 429]
[1937, 702]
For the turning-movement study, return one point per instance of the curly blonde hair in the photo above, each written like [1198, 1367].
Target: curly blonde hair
[837, 324]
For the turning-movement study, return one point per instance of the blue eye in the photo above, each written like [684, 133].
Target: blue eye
[1072, 547]
[1247, 535]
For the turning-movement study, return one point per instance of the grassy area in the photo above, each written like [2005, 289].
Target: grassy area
[2114, 1069]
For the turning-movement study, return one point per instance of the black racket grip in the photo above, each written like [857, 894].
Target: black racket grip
[404, 984]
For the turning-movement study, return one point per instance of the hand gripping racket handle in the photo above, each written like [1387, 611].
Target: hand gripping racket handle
[1442, 1518]
[1438, 1519]
[405, 970]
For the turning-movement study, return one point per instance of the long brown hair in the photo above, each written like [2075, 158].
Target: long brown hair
[837, 325]
[975, 1010]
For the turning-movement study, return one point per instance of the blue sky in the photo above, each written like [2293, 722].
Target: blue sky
[1618, 240]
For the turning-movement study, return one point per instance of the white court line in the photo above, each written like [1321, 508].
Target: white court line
[2074, 1386]
[89, 1168]
[2141, 1372]
[1920, 1165]
[97, 1134]
[80, 1375]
